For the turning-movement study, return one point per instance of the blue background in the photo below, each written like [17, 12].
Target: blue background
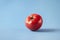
[14, 12]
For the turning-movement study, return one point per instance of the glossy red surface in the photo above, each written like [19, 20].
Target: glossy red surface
[34, 22]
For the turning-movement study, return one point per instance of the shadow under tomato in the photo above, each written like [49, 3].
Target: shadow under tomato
[47, 30]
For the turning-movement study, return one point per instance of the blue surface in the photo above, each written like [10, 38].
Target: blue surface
[14, 12]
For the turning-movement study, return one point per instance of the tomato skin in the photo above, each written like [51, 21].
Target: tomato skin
[33, 22]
